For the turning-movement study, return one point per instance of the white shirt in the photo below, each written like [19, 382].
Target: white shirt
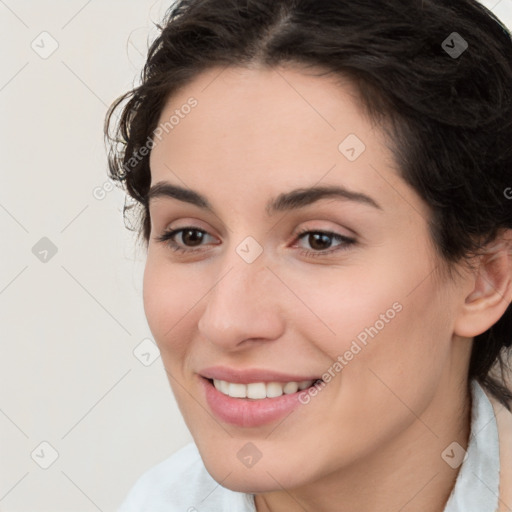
[181, 483]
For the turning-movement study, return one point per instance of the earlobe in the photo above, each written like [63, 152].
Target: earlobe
[491, 292]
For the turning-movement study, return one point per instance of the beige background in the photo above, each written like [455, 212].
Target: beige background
[85, 406]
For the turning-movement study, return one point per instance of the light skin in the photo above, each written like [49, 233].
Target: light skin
[372, 439]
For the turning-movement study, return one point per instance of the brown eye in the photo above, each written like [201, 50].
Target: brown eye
[321, 242]
[190, 237]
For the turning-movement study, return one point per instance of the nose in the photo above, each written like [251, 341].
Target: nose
[245, 304]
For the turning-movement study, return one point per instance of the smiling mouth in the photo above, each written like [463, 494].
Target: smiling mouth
[261, 390]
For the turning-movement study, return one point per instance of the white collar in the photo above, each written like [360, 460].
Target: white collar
[477, 486]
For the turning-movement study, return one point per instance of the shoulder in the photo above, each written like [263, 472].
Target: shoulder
[182, 483]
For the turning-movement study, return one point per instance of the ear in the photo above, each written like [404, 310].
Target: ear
[491, 289]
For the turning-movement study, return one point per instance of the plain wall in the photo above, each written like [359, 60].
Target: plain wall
[72, 321]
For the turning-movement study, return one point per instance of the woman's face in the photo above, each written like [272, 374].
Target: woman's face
[250, 298]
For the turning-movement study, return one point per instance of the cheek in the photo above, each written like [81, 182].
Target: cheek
[389, 315]
[168, 297]
[158, 296]
[402, 335]
[345, 305]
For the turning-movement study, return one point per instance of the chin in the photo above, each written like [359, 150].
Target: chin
[249, 482]
[262, 477]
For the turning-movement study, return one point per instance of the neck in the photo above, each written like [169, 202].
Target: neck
[407, 474]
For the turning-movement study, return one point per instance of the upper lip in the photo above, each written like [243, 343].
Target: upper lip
[251, 375]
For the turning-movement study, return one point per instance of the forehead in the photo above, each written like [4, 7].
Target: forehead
[268, 129]
[276, 108]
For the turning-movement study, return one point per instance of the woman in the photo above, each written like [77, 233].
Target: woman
[324, 193]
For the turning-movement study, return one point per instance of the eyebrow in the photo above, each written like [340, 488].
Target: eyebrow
[293, 200]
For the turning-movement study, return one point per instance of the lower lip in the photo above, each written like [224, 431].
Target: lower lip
[244, 412]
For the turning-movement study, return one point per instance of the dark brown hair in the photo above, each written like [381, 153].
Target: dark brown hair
[438, 73]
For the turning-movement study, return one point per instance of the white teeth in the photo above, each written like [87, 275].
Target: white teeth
[274, 389]
[290, 387]
[224, 386]
[259, 390]
[237, 390]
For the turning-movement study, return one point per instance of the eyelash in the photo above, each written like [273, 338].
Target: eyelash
[167, 239]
